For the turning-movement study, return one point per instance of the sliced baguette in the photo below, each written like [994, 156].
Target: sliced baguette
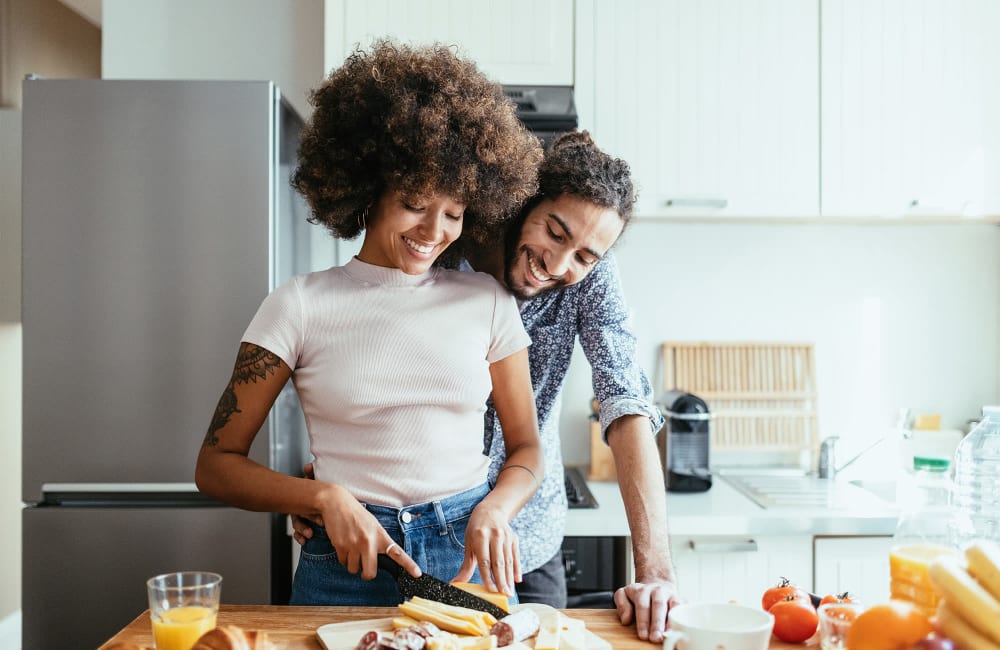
[966, 597]
[983, 558]
[952, 626]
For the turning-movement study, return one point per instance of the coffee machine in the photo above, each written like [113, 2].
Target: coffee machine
[683, 442]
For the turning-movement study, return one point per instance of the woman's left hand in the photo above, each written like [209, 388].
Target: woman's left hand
[491, 545]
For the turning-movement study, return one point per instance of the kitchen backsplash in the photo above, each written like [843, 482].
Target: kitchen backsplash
[901, 315]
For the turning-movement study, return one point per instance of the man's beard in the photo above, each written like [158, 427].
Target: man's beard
[523, 291]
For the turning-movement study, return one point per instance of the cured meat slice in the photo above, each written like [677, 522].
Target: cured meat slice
[516, 627]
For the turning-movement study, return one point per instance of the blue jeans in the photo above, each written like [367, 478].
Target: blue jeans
[432, 533]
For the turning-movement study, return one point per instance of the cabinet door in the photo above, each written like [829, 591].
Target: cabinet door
[909, 105]
[713, 103]
[859, 565]
[513, 41]
[721, 568]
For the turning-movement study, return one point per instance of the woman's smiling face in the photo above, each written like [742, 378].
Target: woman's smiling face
[410, 235]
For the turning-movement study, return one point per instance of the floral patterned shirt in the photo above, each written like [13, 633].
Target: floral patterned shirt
[594, 310]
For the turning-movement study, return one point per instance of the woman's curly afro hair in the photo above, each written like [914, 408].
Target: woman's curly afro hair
[421, 121]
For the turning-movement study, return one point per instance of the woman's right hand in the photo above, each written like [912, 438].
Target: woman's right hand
[358, 537]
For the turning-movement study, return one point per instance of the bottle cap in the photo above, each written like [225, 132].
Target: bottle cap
[931, 464]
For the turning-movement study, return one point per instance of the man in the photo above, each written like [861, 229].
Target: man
[556, 261]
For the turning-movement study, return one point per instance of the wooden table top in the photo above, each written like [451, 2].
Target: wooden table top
[294, 628]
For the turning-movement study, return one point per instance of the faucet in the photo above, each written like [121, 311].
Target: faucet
[827, 458]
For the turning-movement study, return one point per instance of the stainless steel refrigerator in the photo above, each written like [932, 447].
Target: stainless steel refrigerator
[156, 217]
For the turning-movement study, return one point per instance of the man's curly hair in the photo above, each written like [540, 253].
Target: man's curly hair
[574, 165]
[421, 121]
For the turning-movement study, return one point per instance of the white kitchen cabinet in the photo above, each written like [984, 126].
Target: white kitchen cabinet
[516, 42]
[740, 568]
[910, 106]
[859, 565]
[713, 103]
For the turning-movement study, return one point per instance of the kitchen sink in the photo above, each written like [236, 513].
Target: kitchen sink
[883, 489]
[795, 489]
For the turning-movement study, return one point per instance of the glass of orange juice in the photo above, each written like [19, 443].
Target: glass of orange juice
[908, 579]
[183, 606]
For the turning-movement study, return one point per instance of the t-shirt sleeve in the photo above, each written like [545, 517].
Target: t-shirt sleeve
[277, 325]
[509, 334]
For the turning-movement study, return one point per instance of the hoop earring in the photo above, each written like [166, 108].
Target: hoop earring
[363, 218]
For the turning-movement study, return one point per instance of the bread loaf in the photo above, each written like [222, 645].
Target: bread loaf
[233, 637]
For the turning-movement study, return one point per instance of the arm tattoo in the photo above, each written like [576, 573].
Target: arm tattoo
[252, 363]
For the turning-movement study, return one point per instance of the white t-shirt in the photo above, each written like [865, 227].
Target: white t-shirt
[392, 371]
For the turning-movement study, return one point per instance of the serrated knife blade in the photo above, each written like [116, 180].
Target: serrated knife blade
[431, 588]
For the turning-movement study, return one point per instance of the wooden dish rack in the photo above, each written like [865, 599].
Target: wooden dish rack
[762, 395]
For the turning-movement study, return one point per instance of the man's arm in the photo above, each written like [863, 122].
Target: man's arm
[629, 418]
[640, 479]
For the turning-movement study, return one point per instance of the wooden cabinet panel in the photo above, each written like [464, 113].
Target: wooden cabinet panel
[513, 41]
[714, 103]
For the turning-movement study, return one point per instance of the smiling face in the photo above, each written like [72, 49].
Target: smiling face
[409, 234]
[560, 242]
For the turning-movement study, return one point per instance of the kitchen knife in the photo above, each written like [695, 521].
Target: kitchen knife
[427, 586]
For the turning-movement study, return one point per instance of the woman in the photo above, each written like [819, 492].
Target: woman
[392, 356]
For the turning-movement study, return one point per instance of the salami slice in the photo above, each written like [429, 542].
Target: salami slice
[516, 627]
[370, 641]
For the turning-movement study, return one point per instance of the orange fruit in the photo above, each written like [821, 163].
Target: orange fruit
[895, 625]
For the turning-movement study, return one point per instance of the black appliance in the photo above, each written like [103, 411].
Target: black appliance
[683, 442]
[545, 110]
[595, 567]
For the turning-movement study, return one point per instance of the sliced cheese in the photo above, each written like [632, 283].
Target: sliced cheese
[954, 627]
[401, 622]
[498, 599]
[549, 632]
[448, 617]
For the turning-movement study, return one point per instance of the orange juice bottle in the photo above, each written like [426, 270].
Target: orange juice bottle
[924, 531]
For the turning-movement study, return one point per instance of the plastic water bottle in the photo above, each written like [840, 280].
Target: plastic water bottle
[976, 488]
[923, 532]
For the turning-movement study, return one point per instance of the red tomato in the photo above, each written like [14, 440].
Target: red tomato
[795, 620]
[837, 598]
[783, 590]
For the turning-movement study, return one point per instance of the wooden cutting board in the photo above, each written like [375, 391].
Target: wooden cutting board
[345, 636]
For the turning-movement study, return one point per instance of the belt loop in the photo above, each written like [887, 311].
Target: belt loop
[442, 522]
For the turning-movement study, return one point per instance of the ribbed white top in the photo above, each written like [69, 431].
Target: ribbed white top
[392, 371]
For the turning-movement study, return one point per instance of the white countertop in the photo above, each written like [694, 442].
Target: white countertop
[724, 510]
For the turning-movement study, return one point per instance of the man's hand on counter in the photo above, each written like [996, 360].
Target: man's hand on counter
[647, 604]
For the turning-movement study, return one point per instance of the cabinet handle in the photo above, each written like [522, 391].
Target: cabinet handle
[697, 203]
[729, 546]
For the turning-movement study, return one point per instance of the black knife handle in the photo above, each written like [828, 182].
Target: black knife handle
[387, 563]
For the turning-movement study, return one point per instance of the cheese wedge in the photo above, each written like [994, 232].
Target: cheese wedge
[450, 618]
[498, 599]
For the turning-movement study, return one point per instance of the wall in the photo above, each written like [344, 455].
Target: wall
[222, 39]
[900, 315]
[46, 38]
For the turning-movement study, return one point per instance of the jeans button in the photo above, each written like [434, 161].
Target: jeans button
[406, 517]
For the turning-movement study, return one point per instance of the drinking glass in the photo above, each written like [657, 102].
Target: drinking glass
[183, 606]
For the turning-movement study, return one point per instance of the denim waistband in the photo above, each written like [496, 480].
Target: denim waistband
[432, 513]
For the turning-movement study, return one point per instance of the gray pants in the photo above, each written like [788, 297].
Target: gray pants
[546, 584]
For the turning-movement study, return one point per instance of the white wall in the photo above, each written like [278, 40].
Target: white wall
[223, 39]
[900, 315]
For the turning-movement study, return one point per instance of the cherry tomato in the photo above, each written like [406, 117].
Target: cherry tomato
[838, 598]
[782, 590]
[795, 619]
